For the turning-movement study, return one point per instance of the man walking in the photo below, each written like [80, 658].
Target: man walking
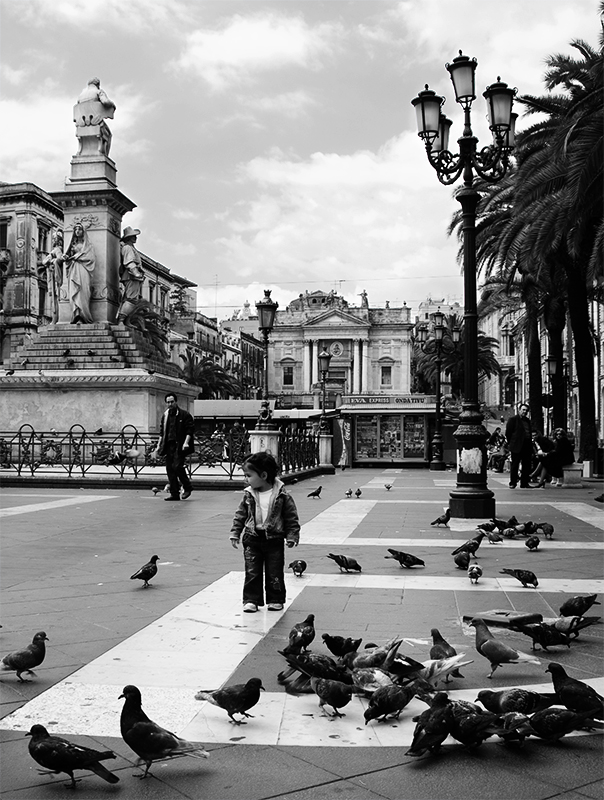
[518, 432]
[175, 443]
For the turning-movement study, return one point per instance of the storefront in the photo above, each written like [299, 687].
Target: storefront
[389, 428]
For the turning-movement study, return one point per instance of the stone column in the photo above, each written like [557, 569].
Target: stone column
[365, 377]
[261, 441]
[306, 366]
[356, 367]
[325, 442]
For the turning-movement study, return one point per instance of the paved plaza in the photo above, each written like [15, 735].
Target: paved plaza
[68, 553]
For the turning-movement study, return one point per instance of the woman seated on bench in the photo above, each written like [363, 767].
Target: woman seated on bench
[552, 464]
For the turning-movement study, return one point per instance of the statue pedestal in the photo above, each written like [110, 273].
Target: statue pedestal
[265, 440]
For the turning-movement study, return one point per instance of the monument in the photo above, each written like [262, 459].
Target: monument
[89, 367]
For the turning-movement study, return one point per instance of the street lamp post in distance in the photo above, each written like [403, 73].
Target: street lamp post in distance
[471, 497]
[267, 310]
[324, 359]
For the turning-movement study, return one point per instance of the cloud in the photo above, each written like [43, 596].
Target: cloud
[342, 217]
[243, 47]
[184, 213]
[289, 104]
[137, 17]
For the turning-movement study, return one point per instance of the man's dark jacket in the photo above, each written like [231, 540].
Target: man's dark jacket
[184, 426]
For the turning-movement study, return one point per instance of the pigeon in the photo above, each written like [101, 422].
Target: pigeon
[406, 560]
[10, 372]
[91, 352]
[496, 651]
[70, 362]
[373, 657]
[471, 725]
[462, 560]
[578, 605]
[59, 755]
[552, 724]
[302, 634]
[368, 679]
[348, 492]
[543, 634]
[474, 573]
[533, 542]
[156, 490]
[331, 693]
[146, 572]
[310, 665]
[298, 567]
[358, 493]
[512, 521]
[501, 524]
[509, 533]
[442, 649]
[525, 576]
[546, 529]
[571, 625]
[149, 741]
[98, 432]
[66, 352]
[25, 660]
[494, 538]
[150, 371]
[315, 492]
[574, 694]
[387, 486]
[471, 546]
[487, 527]
[433, 726]
[113, 358]
[339, 646]
[388, 701]
[236, 699]
[345, 563]
[443, 519]
[523, 701]
[433, 670]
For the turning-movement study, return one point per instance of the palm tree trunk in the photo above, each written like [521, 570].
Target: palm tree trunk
[578, 308]
[533, 357]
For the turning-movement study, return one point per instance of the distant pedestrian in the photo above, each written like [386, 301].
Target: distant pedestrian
[518, 433]
[266, 520]
[176, 433]
[553, 463]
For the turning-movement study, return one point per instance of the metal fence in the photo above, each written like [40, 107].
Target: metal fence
[130, 453]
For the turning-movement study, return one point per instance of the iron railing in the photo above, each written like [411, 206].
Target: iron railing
[130, 454]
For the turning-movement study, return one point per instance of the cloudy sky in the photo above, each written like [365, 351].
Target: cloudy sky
[272, 144]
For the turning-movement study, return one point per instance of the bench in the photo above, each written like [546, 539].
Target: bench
[572, 476]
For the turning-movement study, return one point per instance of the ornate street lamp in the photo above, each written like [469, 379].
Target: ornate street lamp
[267, 310]
[471, 497]
[324, 358]
[442, 342]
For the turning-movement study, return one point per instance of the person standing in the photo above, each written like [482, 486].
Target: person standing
[519, 435]
[266, 520]
[176, 443]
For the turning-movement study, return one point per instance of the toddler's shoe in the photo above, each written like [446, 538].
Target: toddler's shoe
[250, 608]
[275, 606]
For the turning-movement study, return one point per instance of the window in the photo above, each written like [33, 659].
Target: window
[288, 375]
[151, 292]
[386, 379]
[3, 234]
[43, 235]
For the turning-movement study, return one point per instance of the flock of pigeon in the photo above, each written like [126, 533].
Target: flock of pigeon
[387, 679]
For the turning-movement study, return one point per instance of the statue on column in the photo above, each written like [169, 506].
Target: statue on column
[131, 273]
[80, 261]
[93, 107]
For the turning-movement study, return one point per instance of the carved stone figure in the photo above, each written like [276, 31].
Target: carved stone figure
[131, 273]
[54, 273]
[80, 261]
[93, 107]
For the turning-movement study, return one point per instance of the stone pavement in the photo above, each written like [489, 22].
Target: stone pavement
[67, 555]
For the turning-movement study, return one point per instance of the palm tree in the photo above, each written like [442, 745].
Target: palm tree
[453, 360]
[152, 325]
[212, 379]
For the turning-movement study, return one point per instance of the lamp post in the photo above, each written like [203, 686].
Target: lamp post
[436, 346]
[324, 358]
[551, 363]
[267, 309]
[471, 497]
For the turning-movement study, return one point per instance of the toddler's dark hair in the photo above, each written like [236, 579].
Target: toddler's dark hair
[263, 462]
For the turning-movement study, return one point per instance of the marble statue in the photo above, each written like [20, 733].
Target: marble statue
[80, 261]
[131, 273]
[93, 107]
[54, 273]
